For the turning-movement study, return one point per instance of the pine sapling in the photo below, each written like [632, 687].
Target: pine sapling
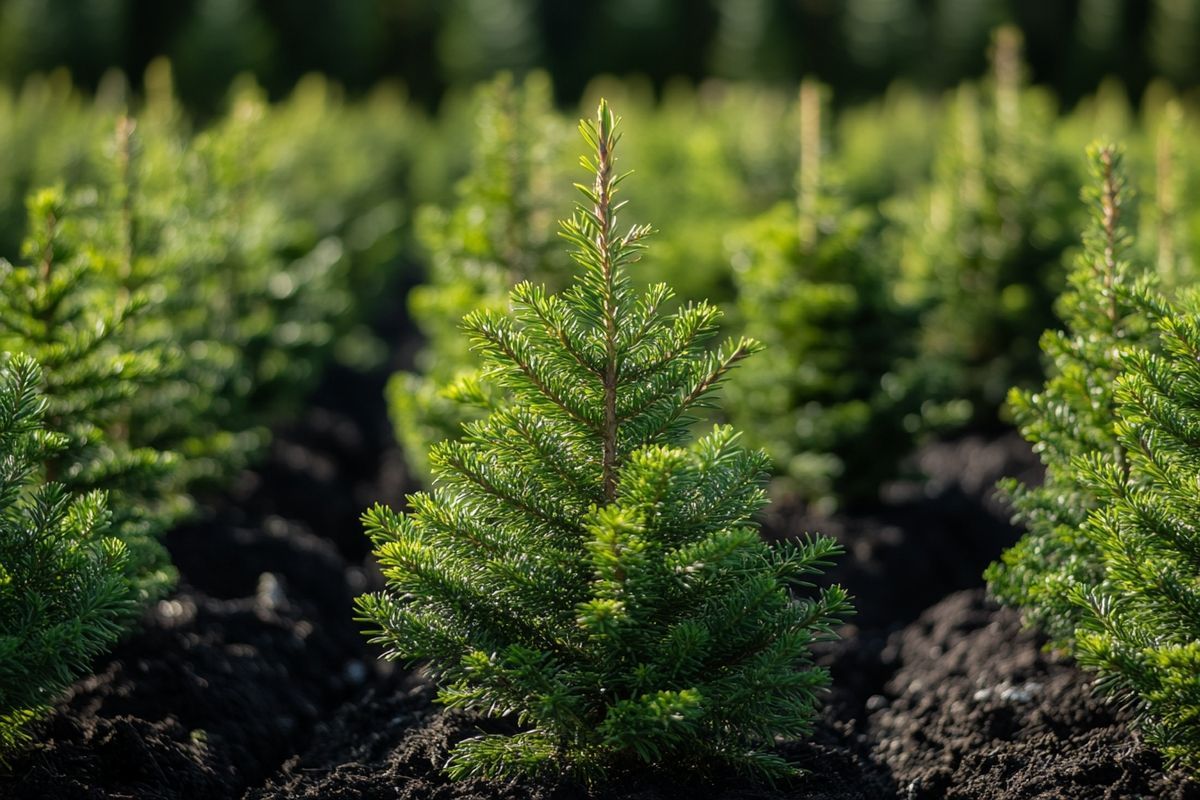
[1140, 626]
[829, 407]
[63, 310]
[1073, 415]
[500, 230]
[579, 563]
[63, 586]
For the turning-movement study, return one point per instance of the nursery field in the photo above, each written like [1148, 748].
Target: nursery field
[350, 451]
[252, 680]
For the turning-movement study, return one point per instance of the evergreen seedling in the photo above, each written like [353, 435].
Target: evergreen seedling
[828, 407]
[1108, 566]
[1072, 416]
[261, 240]
[295, 259]
[63, 590]
[501, 230]
[979, 251]
[65, 309]
[1140, 626]
[158, 234]
[579, 564]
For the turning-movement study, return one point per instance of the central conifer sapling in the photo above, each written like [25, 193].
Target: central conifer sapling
[583, 566]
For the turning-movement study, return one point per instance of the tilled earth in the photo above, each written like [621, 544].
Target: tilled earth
[253, 681]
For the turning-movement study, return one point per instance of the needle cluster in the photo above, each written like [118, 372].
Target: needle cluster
[64, 596]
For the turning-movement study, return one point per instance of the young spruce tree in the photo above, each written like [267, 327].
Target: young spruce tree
[155, 232]
[1073, 415]
[828, 406]
[583, 567]
[501, 230]
[1140, 626]
[63, 591]
[1108, 567]
[979, 251]
[64, 308]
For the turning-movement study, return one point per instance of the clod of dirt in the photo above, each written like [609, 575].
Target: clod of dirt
[979, 711]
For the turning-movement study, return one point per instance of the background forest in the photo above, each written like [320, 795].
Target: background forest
[859, 47]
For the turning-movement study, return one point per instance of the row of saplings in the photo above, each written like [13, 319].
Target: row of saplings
[585, 565]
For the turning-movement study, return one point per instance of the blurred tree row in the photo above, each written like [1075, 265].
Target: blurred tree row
[856, 46]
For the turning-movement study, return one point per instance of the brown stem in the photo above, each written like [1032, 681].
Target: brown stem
[603, 190]
[810, 161]
[1111, 217]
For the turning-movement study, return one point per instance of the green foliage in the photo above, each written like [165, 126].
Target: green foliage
[263, 240]
[163, 235]
[829, 405]
[707, 157]
[181, 292]
[1170, 228]
[867, 137]
[500, 226]
[1140, 626]
[1108, 566]
[913, 303]
[262, 243]
[501, 230]
[63, 594]
[47, 132]
[1073, 415]
[298, 227]
[978, 250]
[581, 566]
[63, 309]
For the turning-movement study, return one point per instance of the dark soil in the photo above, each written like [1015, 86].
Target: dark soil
[978, 709]
[393, 741]
[228, 677]
[252, 680]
